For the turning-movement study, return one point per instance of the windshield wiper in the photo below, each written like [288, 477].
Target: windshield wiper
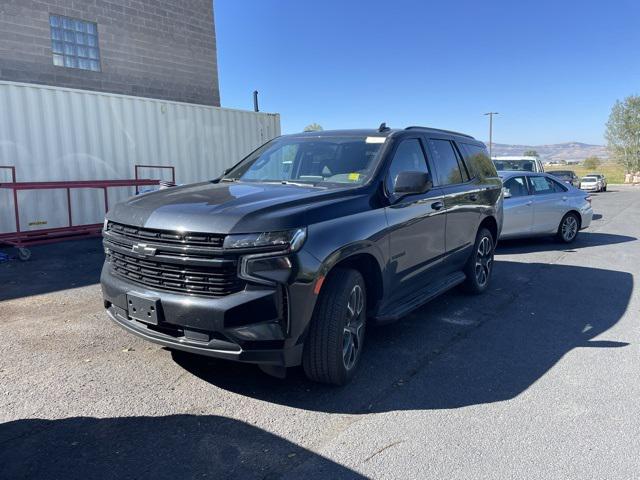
[298, 184]
[228, 179]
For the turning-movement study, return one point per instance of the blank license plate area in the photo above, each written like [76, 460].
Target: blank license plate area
[143, 309]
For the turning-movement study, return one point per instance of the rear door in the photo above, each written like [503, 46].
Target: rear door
[462, 199]
[417, 224]
[549, 203]
[518, 208]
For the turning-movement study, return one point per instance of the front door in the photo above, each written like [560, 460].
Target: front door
[416, 223]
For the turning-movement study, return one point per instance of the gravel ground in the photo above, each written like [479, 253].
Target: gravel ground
[538, 378]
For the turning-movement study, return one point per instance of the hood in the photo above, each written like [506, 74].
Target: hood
[226, 207]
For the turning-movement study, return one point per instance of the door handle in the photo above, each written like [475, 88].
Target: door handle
[437, 205]
[528, 204]
[564, 199]
[473, 197]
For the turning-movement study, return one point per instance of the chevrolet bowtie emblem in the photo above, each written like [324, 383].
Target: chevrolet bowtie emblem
[143, 249]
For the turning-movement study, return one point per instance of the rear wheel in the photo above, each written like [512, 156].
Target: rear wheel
[568, 228]
[334, 344]
[480, 264]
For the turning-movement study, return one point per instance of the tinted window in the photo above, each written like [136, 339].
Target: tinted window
[479, 161]
[517, 186]
[559, 187]
[446, 162]
[464, 168]
[544, 185]
[408, 158]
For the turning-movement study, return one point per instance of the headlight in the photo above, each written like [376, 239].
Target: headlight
[288, 238]
[264, 268]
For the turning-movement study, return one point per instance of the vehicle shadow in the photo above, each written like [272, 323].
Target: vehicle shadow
[458, 350]
[54, 267]
[543, 244]
[175, 446]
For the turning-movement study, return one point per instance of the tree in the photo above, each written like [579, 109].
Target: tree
[623, 133]
[531, 153]
[592, 162]
[313, 127]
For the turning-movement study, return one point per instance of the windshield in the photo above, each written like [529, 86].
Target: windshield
[589, 179]
[320, 160]
[515, 165]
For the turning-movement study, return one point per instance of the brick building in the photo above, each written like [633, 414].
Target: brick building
[164, 49]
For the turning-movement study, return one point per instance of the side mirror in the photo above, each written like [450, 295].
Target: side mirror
[506, 193]
[407, 183]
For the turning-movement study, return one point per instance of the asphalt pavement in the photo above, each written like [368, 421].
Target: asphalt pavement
[538, 378]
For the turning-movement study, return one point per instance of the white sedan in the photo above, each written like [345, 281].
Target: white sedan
[537, 204]
[591, 183]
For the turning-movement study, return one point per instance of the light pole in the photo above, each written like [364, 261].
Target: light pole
[491, 114]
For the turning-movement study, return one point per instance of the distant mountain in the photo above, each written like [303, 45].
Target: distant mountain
[570, 151]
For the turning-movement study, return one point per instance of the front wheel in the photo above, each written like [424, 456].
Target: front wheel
[568, 228]
[480, 264]
[334, 343]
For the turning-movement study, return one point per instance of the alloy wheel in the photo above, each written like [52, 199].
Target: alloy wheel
[353, 328]
[569, 228]
[484, 260]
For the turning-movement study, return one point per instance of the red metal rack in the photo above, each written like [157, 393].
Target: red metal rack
[136, 168]
[22, 239]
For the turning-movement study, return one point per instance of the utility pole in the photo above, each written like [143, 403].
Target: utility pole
[491, 114]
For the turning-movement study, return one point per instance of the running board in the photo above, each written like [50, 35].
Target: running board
[420, 298]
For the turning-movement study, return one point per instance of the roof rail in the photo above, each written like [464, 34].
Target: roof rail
[417, 127]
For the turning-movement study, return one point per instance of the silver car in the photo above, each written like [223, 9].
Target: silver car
[590, 183]
[538, 204]
[587, 182]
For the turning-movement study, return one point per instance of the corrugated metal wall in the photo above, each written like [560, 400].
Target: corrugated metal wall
[51, 133]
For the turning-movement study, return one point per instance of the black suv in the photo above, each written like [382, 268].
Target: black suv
[567, 176]
[288, 256]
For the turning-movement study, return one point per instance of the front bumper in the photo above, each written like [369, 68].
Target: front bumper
[254, 325]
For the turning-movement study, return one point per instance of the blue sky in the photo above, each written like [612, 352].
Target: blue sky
[553, 69]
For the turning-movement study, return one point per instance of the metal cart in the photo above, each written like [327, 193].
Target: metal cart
[22, 239]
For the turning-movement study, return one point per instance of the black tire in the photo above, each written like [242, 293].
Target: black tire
[480, 264]
[568, 228]
[604, 189]
[325, 358]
